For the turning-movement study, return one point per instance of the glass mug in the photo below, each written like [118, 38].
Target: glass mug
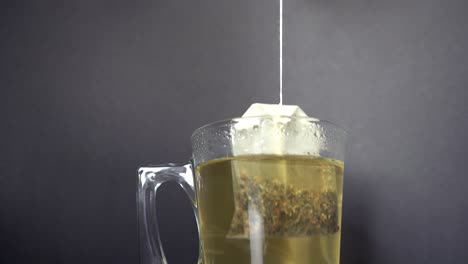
[264, 190]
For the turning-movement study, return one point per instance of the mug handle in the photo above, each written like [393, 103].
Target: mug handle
[149, 180]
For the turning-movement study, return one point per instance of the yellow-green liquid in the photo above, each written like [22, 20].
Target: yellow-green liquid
[291, 187]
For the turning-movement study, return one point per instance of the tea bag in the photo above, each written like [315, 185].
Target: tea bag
[285, 209]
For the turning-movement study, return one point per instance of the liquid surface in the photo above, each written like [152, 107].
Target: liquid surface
[270, 209]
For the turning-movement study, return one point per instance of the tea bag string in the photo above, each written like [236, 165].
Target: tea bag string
[281, 50]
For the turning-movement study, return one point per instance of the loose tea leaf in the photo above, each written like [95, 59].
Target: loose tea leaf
[284, 210]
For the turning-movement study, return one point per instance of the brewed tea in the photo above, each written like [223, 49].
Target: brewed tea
[270, 209]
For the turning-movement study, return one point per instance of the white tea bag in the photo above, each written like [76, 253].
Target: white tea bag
[258, 186]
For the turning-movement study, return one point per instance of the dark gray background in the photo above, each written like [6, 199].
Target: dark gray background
[90, 90]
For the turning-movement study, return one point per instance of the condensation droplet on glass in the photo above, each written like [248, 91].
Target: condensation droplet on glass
[317, 134]
[242, 134]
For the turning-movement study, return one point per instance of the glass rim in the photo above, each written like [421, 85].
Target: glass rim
[222, 122]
